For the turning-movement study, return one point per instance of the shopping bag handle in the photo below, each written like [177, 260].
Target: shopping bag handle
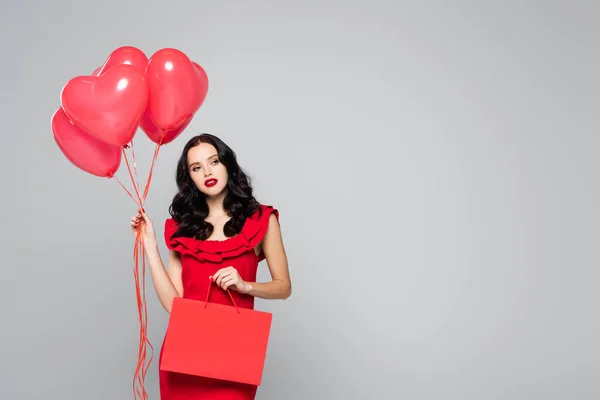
[228, 292]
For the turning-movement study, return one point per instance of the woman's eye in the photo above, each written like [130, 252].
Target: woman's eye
[215, 162]
[195, 168]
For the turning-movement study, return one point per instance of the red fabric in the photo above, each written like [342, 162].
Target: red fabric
[201, 259]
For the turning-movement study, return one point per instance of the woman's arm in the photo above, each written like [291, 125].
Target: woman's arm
[167, 283]
[280, 287]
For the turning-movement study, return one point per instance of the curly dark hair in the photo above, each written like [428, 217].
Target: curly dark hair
[189, 208]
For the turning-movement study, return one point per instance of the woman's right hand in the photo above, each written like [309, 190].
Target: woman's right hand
[143, 222]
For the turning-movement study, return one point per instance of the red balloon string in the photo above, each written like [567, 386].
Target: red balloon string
[134, 166]
[156, 149]
[126, 190]
[141, 203]
[142, 365]
[140, 283]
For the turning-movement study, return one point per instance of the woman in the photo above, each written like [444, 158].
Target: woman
[217, 229]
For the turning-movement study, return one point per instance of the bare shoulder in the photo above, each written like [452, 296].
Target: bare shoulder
[273, 237]
[273, 220]
[273, 228]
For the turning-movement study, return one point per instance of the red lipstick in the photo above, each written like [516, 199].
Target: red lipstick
[210, 182]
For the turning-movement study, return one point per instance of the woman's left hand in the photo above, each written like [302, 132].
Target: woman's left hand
[229, 278]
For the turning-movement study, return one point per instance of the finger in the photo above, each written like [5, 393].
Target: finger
[219, 278]
[141, 215]
[225, 275]
[226, 282]
[216, 275]
[229, 285]
[145, 216]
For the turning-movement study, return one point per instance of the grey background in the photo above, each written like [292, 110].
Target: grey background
[435, 165]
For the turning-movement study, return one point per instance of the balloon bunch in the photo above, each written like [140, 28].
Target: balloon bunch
[99, 117]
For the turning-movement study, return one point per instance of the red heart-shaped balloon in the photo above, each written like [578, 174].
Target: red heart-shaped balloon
[154, 132]
[177, 89]
[128, 55]
[108, 107]
[82, 150]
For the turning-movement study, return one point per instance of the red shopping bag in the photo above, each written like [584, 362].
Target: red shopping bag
[216, 340]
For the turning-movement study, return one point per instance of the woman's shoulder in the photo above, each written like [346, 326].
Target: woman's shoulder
[264, 212]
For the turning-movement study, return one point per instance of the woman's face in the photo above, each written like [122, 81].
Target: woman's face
[206, 170]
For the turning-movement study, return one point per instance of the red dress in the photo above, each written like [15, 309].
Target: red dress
[199, 260]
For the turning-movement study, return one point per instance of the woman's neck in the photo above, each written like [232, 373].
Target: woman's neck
[215, 206]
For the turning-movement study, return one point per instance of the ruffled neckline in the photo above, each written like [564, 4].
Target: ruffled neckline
[216, 250]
